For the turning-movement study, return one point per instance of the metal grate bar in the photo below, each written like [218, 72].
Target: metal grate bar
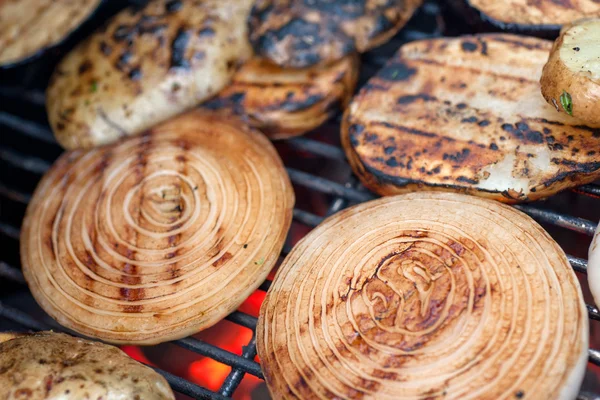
[28, 163]
[307, 218]
[9, 231]
[235, 377]
[587, 396]
[326, 186]
[12, 273]
[188, 388]
[14, 195]
[243, 319]
[35, 97]
[564, 221]
[220, 355]
[593, 312]
[592, 190]
[27, 127]
[578, 264]
[318, 148]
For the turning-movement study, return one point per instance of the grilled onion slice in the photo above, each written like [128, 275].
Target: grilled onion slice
[158, 236]
[146, 66]
[27, 27]
[286, 102]
[425, 295]
[540, 18]
[51, 365]
[302, 33]
[467, 114]
[571, 77]
[594, 267]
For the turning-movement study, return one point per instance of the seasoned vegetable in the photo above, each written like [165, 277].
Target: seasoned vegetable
[425, 296]
[285, 102]
[302, 33]
[159, 236]
[466, 114]
[27, 27]
[571, 77]
[55, 366]
[146, 66]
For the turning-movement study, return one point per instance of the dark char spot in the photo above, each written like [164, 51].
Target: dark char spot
[178, 47]
[396, 72]
[469, 46]
[173, 6]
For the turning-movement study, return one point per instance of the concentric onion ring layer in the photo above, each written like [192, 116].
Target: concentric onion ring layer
[158, 236]
[425, 296]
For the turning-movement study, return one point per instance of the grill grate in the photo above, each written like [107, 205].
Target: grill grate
[27, 149]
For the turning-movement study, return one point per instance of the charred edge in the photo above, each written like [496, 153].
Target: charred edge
[408, 99]
[178, 48]
[173, 6]
[483, 22]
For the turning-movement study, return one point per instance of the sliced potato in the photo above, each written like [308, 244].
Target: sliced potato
[301, 33]
[466, 114]
[29, 26]
[146, 66]
[286, 102]
[571, 78]
[49, 365]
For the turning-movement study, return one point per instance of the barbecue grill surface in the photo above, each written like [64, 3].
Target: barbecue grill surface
[317, 167]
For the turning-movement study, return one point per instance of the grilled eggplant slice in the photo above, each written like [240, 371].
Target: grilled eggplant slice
[147, 65]
[540, 18]
[571, 78]
[466, 114]
[27, 27]
[286, 102]
[302, 33]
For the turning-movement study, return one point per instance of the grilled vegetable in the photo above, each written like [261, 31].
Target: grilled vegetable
[540, 18]
[56, 366]
[593, 270]
[425, 296]
[302, 33]
[466, 114]
[571, 78]
[159, 236]
[285, 102]
[27, 27]
[6, 336]
[146, 66]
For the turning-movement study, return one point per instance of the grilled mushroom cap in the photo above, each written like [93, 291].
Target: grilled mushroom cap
[286, 102]
[571, 77]
[146, 66]
[541, 18]
[426, 295]
[51, 365]
[29, 26]
[593, 269]
[301, 33]
[158, 236]
[466, 114]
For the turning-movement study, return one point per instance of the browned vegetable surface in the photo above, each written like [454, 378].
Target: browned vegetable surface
[158, 236]
[466, 114]
[571, 77]
[537, 12]
[145, 67]
[286, 102]
[301, 33]
[29, 26]
[55, 366]
[425, 296]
